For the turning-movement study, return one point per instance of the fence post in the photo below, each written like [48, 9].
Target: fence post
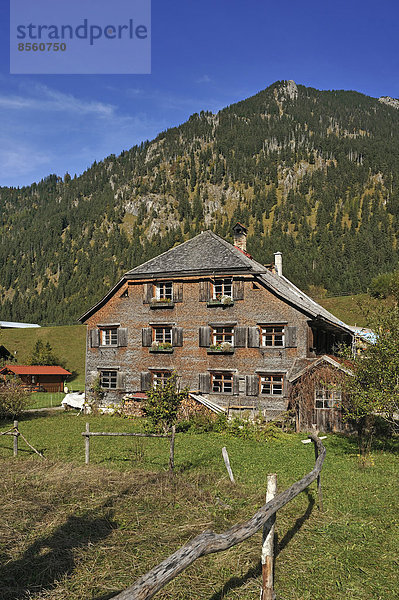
[268, 544]
[319, 490]
[172, 450]
[15, 440]
[87, 444]
[227, 463]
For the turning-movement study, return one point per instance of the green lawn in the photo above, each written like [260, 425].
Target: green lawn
[68, 343]
[69, 531]
[46, 399]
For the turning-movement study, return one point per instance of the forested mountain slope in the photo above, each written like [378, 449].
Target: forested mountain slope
[314, 174]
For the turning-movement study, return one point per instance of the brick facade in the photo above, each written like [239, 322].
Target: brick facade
[121, 331]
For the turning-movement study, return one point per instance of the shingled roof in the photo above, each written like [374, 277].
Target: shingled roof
[205, 253]
[208, 254]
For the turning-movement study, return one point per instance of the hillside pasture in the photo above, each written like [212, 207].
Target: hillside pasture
[72, 531]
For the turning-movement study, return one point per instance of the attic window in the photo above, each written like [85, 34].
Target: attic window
[125, 294]
[164, 291]
[109, 336]
[222, 287]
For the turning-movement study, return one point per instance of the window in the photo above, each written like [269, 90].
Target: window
[273, 336]
[222, 287]
[108, 380]
[159, 378]
[220, 335]
[162, 335]
[326, 397]
[222, 383]
[109, 336]
[271, 385]
[164, 291]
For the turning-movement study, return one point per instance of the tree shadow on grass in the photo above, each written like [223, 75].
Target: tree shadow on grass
[51, 557]
[256, 571]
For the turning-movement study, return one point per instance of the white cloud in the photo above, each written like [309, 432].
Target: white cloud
[203, 79]
[43, 98]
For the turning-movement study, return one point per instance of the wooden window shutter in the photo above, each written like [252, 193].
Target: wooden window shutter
[95, 338]
[177, 336]
[146, 381]
[290, 337]
[253, 337]
[252, 387]
[204, 291]
[148, 293]
[204, 336]
[238, 289]
[121, 380]
[146, 336]
[240, 337]
[178, 292]
[122, 336]
[205, 382]
[285, 386]
[236, 385]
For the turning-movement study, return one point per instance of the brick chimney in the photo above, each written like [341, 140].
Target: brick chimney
[278, 263]
[240, 236]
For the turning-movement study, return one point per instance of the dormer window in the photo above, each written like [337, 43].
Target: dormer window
[222, 287]
[164, 291]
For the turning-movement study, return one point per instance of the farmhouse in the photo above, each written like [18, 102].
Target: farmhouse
[39, 378]
[237, 333]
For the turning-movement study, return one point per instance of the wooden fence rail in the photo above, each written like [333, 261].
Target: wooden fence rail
[16, 433]
[209, 542]
[88, 434]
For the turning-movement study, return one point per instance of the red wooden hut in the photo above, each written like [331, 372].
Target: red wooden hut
[39, 378]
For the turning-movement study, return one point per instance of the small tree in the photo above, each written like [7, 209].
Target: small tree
[163, 403]
[42, 354]
[373, 390]
[13, 397]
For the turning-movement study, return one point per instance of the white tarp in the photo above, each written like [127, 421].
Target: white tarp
[74, 400]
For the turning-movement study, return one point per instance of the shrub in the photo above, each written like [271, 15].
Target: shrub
[14, 398]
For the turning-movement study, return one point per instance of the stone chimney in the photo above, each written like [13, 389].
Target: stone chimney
[240, 236]
[278, 263]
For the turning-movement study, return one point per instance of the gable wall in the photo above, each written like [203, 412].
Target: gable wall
[259, 305]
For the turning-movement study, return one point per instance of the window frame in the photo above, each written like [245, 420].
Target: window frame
[107, 332]
[112, 377]
[220, 287]
[323, 392]
[226, 336]
[160, 376]
[264, 333]
[272, 379]
[164, 329]
[223, 378]
[161, 294]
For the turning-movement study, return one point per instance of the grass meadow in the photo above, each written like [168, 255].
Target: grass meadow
[70, 531]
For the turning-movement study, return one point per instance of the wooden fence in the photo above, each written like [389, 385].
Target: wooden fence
[209, 542]
[16, 433]
[88, 434]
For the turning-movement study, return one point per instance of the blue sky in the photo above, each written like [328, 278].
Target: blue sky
[205, 55]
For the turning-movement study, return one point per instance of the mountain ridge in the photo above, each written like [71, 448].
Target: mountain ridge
[312, 173]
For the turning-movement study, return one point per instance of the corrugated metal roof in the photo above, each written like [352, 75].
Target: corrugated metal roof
[35, 370]
[15, 325]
